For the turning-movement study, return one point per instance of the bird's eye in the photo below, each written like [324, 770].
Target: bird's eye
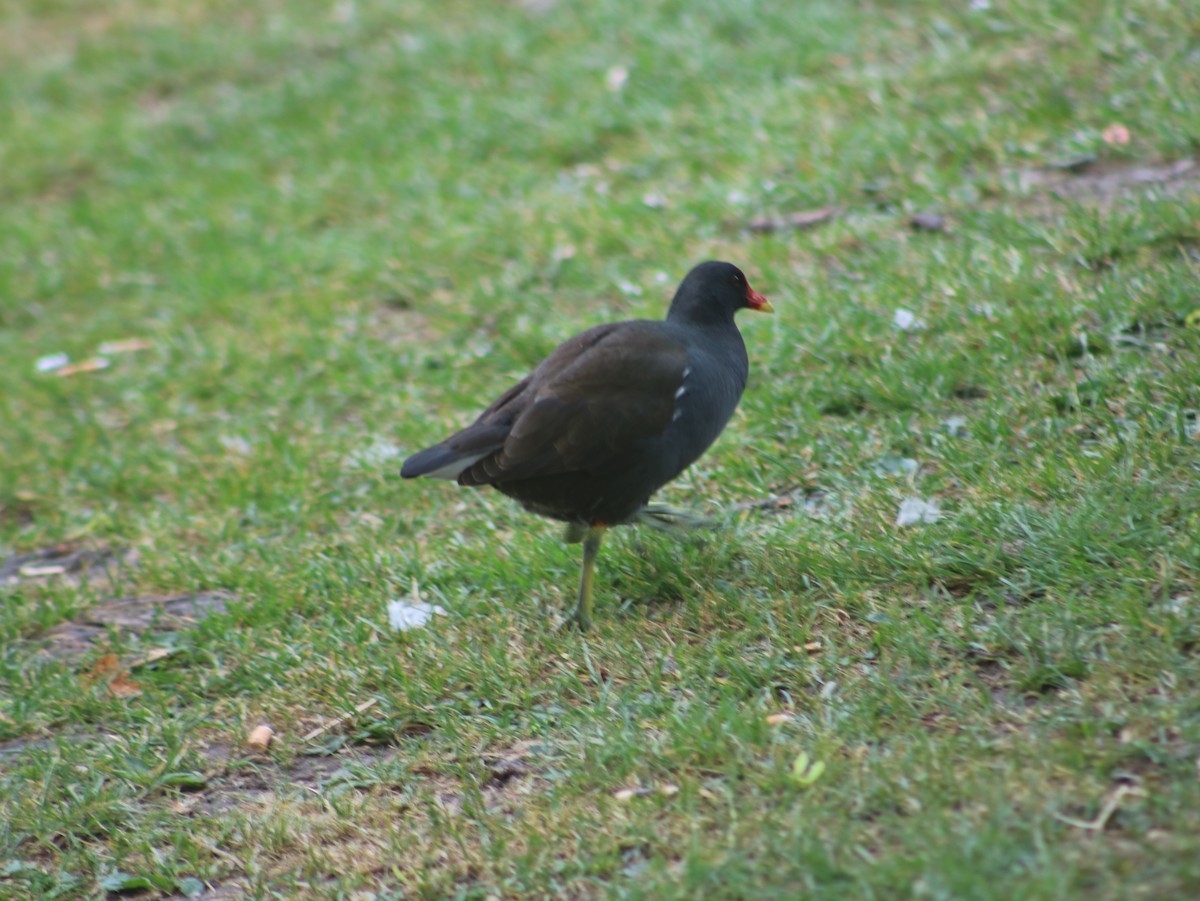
[737, 278]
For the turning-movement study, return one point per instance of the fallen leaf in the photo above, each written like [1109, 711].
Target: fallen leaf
[806, 771]
[124, 687]
[775, 719]
[120, 883]
[151, 656]
[108, 670]
[188, 782]
[104, 668]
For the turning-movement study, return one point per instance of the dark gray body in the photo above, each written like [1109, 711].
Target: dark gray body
[611, 415]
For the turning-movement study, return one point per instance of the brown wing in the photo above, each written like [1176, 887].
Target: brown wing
[590, 402]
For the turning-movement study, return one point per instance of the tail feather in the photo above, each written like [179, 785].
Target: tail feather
[438, 462]
[458, 452]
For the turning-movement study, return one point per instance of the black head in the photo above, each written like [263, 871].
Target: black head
[714, 291]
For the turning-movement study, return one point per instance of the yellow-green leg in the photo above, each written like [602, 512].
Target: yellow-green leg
[582, 615]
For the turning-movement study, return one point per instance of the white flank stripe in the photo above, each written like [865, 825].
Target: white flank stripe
[451, 471]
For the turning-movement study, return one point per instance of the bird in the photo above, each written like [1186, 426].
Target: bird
[611, 416]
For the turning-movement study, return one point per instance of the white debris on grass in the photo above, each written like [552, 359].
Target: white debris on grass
[892, 465]
[51, 362]
[615, 78]
[404, 614]
[915, 511]
[907, 321]
[956, 426]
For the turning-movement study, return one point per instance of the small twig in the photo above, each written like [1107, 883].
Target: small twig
[806, 219]
[361, 708]
[812, 353]
[1106, 812]
[211, 845]
[781, 501]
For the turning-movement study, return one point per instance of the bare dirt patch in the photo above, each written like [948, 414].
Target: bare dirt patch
[235, 781]
[68, 560]
[139, 616]
[1105, 181]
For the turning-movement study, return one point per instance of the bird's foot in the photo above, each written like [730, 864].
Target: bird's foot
[581, 616]
[672, 519]
[578, 619]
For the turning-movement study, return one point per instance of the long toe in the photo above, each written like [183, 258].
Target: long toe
[577, 619]
[672, 519]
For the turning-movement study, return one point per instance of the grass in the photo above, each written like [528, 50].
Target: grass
[340, 227]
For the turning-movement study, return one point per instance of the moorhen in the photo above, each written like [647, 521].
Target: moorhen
[611, 416]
